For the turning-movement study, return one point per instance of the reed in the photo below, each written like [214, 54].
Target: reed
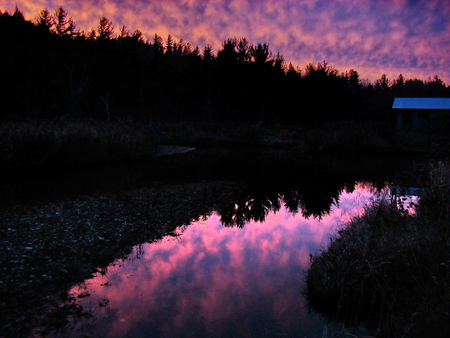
[390, 269]
[62, 142]
[336, 137]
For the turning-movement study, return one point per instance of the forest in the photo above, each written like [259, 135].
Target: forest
[52, 69]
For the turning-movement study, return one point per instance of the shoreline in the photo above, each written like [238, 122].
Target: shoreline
[50, 248]
[49, 147]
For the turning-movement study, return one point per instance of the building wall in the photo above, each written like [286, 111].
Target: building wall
[422, 119]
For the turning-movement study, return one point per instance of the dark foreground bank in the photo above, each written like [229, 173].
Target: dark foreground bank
[46, 250]
[30, 147]
[390, 269]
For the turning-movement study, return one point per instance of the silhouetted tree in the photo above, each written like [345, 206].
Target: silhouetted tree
[169, 44]
[196, 50]
[158, 46]
[208, 54]
[123, 33]
[292, 71]
[228, 55]
[91, 35]
[105, 29]
[436, 87]
[321, 88]
[61, 24]
[137, 36]
[45, 20]
[383, 83]
[243, 50]
[398, 86]
[171, 79]
[414, 87]
[261, 53]
[354, 80]
[17, 14]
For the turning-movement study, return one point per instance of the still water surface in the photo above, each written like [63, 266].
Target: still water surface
[218, 281]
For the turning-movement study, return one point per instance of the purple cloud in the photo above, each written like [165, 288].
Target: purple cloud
[373, 37]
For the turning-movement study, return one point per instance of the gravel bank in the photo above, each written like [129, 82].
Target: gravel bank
[46, 249]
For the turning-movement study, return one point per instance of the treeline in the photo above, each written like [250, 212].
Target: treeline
[52, 69]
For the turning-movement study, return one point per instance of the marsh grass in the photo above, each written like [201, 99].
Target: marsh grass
[35, 145]
[335, 137]
[62, 142]
[229, 134]
[390, 269]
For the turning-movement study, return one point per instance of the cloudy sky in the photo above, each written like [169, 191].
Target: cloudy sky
[374, 37]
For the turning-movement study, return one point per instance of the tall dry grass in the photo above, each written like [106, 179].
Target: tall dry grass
[337, 137]
[389, 269]
[33, 145]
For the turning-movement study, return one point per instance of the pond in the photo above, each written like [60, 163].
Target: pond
[229, 234]
[213, 280]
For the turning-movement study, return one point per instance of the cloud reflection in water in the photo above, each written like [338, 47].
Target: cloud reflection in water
[218, 281]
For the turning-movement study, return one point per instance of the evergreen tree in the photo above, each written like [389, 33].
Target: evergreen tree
[61, 24]
[173, 79]
[17, 14]
[138, 36]
[105, 30]
[44, 19]
[158, 44]
[123, 33]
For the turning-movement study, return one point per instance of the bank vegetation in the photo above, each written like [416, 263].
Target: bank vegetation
[390, 269]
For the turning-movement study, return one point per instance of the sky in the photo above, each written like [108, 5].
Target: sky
[374, 37]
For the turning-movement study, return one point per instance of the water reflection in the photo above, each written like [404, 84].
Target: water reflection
[314, 203]
[216, 281]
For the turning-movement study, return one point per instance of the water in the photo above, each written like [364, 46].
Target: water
[217, 281]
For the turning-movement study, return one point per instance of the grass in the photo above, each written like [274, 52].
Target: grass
[32, 145]
[337, 137]
[53, 145]
[390, 269]
[233, 134]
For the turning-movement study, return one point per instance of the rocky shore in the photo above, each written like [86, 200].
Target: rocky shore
[47, 249]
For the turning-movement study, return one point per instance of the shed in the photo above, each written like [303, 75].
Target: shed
[422, 113]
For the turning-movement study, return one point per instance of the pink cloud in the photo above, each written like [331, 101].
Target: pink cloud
[214, 275]
[373, 37]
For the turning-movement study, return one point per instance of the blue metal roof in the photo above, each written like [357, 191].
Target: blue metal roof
[421, 103]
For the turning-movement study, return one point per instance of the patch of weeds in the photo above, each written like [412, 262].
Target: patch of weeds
[390, 269]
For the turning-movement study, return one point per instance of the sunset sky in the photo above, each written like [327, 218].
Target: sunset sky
[374, 37]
